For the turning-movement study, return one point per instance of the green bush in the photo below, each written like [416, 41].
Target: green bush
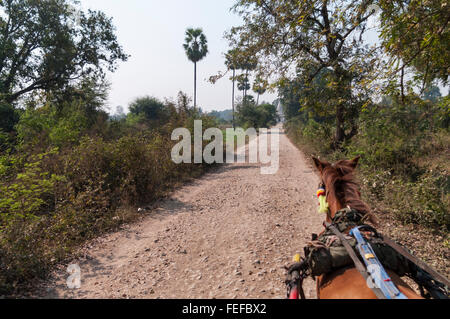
[6, 142]
[31, 194]
[150, 110]
[313, 135]
[35, 125]
[257, 116]
[53, 126]
[52, 201]
[427, 201]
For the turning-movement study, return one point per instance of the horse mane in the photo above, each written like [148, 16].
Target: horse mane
[343, 187]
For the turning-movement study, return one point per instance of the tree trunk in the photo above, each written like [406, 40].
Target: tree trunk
[344, 80]
[257, 100]
[340, 133]
[245, 87]
[232, 96]
[195, 85]
[402, 84]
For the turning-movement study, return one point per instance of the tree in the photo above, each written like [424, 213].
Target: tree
[151, 108]
[432, 93]
[243, 85]
[235, 59]
[259, 87]
[8, 117]
[196, 49]
[91, 91]
[247, 64]
[41, 48]
[232, 63]
[304, 100]
[290, 95]
[258, 116]
[119, 114]
[323, 34]
[415, 34]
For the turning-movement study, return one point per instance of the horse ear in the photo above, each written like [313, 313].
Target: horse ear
[319, 164]
[354, 162]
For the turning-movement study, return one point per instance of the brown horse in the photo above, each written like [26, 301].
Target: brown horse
[343, 191]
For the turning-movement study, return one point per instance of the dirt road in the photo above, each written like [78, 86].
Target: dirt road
[226, 235]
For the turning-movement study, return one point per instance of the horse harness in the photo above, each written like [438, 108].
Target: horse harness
[334, 249]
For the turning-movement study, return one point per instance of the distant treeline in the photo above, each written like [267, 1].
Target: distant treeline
[225, 116]
[249, 114]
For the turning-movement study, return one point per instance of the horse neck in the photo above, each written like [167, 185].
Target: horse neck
[339, 197]
[334, 206]
[347, 198]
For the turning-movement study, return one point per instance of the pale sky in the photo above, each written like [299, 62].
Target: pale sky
[153, 32]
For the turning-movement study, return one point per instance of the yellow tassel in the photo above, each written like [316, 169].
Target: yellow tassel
[323, 205]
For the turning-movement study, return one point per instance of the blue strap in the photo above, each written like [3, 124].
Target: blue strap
[375, 268]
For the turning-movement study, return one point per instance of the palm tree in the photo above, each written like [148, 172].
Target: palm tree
[243, 85]
[259, 87]
[196, 49]
[248, 65]
[232, 63]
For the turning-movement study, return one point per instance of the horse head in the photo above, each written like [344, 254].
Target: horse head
[341, 187]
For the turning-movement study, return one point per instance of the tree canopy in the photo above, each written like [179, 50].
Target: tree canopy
[195, 44]
[313, 35]
[283, 33]
[151, 108]
[415, 34]
[44, 45]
